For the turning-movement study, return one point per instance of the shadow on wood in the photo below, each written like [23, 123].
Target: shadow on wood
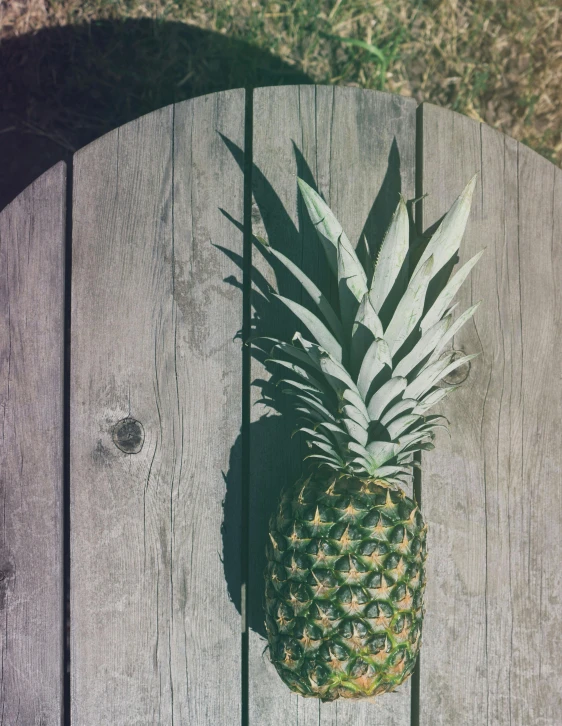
[63, 87]
[276, 457]
[273, 473]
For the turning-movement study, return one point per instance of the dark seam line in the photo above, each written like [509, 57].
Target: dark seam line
[246, 378]
[66, 450]
[417, 475]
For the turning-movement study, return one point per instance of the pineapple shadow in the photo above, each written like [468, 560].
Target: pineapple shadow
[272, 473]
[274, 458]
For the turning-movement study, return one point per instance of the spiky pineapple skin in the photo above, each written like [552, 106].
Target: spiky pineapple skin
[344, 586]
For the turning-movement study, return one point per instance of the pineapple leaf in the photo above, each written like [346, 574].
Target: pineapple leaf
[455, 327]
[355, 415]
[316, 327]
[406, 404]
[386, 470]
[391, 256]
[301, 372]
[406, 451]
[326, 448]
[434, 417]
[353, 344]
[352, 283]
[377, 356]
[446, 240]
[315, 434]
[400, 424]
[368, 262]
[319, 298]
[291, 350]
[310, 416]
[356, 431]
[410, 439]
[385, 395]
[317, 407]
[456, 364]
[410, 308]
[423, 347]
[366, 327]
[335, 373]
[341, 437]
[432, 398]
[333, 427]
[431, 428]
[449, 369]
[329, 461]
[329, 231]
[426, 376]
[357, 401]
[360, 449]
[382, 451]
[310, 391]
[364, 464]
[447, 294]
[327, 226]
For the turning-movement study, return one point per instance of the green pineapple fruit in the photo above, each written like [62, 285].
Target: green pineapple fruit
[345, 574]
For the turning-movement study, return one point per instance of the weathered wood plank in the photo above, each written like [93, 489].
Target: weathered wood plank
[358, 147]
[452, 660]
[32, 242]
[491, 643]
[155, 637]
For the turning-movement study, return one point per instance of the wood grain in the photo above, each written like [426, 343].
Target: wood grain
[358, 149]
[156, 413]
[491, 651]
[32, 257]
[155, 636]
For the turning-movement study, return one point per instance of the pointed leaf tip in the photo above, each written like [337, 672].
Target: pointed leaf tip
[391, 255]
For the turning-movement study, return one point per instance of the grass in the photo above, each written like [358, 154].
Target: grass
[496, 61]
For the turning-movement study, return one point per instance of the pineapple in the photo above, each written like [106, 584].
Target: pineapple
[345, 574]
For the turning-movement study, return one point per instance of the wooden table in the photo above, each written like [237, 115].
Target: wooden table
[138, 466]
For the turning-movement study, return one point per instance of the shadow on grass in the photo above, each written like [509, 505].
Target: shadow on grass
[64, 87]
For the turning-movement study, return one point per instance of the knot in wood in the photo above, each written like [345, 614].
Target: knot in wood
[128, 435]
[460, 374]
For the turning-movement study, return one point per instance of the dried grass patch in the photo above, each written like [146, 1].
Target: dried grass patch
[498, 62]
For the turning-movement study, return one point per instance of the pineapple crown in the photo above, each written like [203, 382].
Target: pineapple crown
[364, 387]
